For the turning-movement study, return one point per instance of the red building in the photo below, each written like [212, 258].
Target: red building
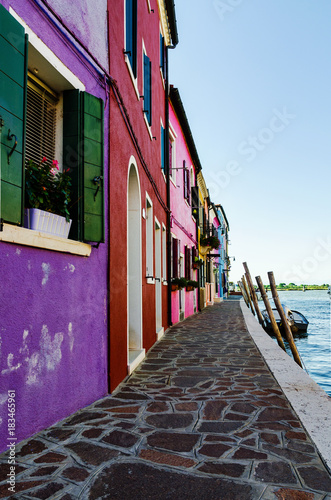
[140, 32]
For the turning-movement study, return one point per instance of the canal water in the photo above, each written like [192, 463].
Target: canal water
[315, 347]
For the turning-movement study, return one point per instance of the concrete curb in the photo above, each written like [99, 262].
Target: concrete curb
[308, 399]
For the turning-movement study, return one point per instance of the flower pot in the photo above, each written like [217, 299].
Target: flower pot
[174, 288]
[204, 249]
[45, 222]
[189, 288]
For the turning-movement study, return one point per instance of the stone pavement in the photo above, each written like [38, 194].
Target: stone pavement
[201, 418]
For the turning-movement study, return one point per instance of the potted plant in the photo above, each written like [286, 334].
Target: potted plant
[47, 197]
[191, 285]
[209, 241]
[197, 263]
[178, 284]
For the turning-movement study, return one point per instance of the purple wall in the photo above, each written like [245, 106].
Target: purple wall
[54, 306]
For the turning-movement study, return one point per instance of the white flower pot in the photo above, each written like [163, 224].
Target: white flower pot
[39, 220]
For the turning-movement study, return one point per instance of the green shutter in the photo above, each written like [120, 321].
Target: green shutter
[83, 153]
[131, 33]
[13, 77]
[148, 89]
[93, 160]
[162, 150]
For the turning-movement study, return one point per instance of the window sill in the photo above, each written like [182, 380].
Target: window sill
[149, 128]
[27, 237]
[133, 79]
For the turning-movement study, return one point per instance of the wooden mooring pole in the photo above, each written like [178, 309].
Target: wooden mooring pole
[247, 293]
[243, 293]
[285, 324]
[253, 294]
[270, 312]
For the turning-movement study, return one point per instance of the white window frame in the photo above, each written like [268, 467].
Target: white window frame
[164, 254]
[172, 138]
[149, 241]
[149, 127]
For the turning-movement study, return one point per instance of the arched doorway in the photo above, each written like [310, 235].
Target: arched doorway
[135, 350]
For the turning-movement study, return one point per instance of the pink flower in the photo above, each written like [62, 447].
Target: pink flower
[44, 159]
[52, 171]
[55, 164]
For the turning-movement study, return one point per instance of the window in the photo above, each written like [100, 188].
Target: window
[163, 165]
[41, 118]
[172, 155]
[131, 33]
[149, 239]
[195, 202]
[148, 89]
[80, 133]
[164, 253]
[162, 55]
[175, 247]
[188, 263]
[187, 183]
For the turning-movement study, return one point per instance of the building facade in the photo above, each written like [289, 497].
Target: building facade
[184, 164]
[54, 291]
[84, 95]
[139, 34]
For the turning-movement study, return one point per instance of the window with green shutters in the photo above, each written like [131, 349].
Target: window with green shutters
[131, 33]
[83, 155]
[148, 89]
[13, 76]
[162, 55]
[163, 150]
[83, 140]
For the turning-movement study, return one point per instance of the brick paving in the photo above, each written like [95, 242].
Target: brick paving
[201, 418]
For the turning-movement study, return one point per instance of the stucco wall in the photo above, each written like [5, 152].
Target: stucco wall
[122, 148]
[182, 212]
[54, 305]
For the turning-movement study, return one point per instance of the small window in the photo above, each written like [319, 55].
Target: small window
[164, 253]
[172, 156]
[131, 34]
[163, 150]
[148, 89]
[162, 55]
[41, 115]
[188, 263]
[149, 239]
[187, 183]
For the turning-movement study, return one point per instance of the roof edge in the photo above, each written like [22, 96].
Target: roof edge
[178, 106]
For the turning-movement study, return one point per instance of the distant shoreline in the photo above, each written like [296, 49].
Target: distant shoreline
[299, 289]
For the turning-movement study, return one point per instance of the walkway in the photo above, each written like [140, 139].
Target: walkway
[201, 419]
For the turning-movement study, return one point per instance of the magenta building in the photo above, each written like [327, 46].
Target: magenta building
[184, 165]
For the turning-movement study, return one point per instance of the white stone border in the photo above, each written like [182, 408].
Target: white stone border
[309, 401]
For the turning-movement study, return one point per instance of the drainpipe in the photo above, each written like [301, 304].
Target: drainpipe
[168, 184]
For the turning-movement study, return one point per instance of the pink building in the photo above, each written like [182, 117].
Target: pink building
[183, 166]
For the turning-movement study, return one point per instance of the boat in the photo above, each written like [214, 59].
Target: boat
[297, 321]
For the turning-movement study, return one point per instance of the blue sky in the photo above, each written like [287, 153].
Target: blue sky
[255, 80]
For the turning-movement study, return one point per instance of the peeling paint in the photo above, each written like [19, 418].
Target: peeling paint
[35, 365]
[46, 270]
[3, 398]
[24, 349]
[71, 268]
[51, 349]
[11, 367]
[71, 337]
[18, 251]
